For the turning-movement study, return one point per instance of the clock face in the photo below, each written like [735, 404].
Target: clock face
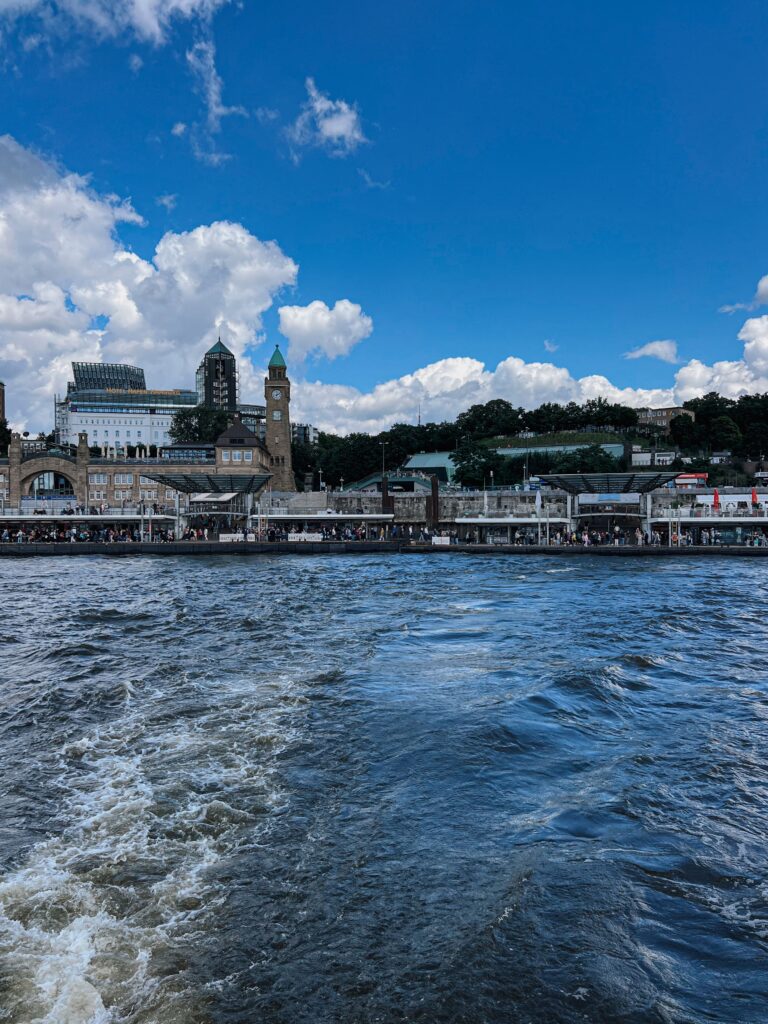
[277, 394]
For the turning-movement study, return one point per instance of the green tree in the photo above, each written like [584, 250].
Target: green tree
[686, 433]
[592, 459]
[723, 433]
[497, 418]
[5, 437]
[199, 425]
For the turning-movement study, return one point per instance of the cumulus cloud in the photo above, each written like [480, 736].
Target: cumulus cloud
[147, 20]
[332, 125]
[760, 298]
[63, 269]
[550, 346]
[202, 62]
[179, 129]
[135, 63]
[317, 330]
[666, 351]
[69, 289]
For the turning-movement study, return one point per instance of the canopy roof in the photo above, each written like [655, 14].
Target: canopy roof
[208, 483]
[607, 483]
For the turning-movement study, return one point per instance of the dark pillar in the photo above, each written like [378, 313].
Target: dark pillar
[433, 505]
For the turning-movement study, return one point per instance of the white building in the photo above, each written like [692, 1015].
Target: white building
[119, 419]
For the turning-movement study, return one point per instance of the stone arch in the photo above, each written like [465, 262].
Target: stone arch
[31, 470]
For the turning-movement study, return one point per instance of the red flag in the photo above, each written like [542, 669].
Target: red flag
[716, 500]
[754, 496]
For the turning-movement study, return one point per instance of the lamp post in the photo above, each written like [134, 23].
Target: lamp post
[383, 450]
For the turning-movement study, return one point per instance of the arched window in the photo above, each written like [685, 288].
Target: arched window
[51, 485]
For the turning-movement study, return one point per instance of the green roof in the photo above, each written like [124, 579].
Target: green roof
[277, 358]
[218, 349]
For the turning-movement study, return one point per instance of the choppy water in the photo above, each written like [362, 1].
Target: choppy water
[383, 789]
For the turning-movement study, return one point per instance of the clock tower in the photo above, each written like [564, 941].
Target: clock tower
[277, 389]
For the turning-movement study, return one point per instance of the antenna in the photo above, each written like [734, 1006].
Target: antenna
[419, 423]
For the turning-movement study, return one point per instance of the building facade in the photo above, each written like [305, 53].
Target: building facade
[661, 417]
[116, 419]
[277, 390]
[216, 379]
[86, 480]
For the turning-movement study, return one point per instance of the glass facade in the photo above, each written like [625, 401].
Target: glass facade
[107, 376]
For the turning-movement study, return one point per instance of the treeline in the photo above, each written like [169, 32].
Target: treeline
[724, 424]
[342, 460]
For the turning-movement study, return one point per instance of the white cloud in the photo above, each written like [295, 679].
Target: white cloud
[265, 115]
[332, 125]
[550, 346]
[63, 269]
[135, 63]
[664, 350]
[371, 182]
[167, 201]
[760, 298]
[147, 20]
[202, 62]
[179, 129]
[317, 330]
[62, 266]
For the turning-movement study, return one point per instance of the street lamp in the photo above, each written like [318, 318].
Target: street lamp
[383, 450]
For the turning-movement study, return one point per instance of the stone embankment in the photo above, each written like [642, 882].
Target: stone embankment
[123, 550]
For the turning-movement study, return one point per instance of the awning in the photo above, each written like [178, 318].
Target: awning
[211, 496]
[607, 483]
[210, 483]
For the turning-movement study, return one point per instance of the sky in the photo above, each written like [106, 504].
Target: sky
[425, 205]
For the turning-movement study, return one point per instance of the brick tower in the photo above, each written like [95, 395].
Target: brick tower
[277, 389]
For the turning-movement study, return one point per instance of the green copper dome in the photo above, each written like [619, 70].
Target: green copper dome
[277, 358]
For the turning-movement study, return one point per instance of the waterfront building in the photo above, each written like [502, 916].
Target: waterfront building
[112, 405]
[216, 380]
[277, 390]
[238, 460]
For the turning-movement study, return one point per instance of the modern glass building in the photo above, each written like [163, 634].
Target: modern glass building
[118, 412]
[106, 377]
[216, 379]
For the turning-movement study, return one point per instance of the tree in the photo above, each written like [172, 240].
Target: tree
[5, 436]
[497, 418]
[592, 459]
[199, 425]
[686, 433]
[723, 433]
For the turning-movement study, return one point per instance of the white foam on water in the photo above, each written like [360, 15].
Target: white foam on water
[95, 922]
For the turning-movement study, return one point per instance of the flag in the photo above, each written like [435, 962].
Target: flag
[716, 500]
[537, 502]
[754, 496]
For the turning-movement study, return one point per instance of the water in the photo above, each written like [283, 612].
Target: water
[383, 789]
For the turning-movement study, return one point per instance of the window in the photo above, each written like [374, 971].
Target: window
[145, 480]
[123, 478]
[97, 478]
[123, 495]
[277, 414]
[98, 495]
[148, 495]
[169, 494]
[138, 433]
[248, 456]
[237, 456]
[225, 456]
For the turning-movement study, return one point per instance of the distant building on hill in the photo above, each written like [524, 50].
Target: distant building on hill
[661, 417]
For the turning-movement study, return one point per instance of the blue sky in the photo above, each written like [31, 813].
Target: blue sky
[585, 175]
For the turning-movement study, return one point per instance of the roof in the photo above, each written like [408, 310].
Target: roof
[277, 358]
[218, 349]
[607, 483]
[209, 483]
[238, 434]
[429, 460]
